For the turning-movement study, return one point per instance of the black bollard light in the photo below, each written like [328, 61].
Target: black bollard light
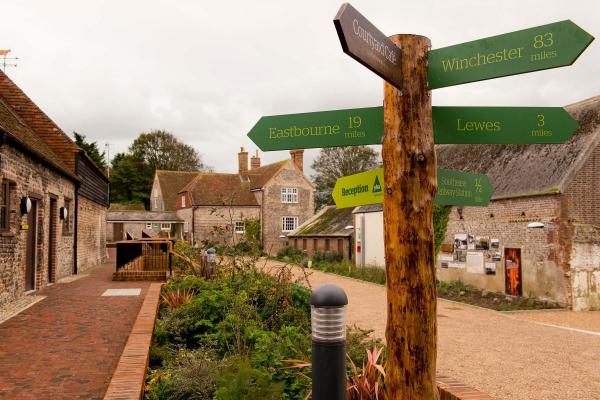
[328, 321]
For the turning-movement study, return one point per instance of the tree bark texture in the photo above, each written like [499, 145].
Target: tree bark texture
[410, 187]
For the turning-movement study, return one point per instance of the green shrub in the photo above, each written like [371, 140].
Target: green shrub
[289, 253]
[240, 381]
[327, 257]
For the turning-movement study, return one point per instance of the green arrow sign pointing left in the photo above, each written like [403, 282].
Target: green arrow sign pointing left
[319, 129]
[454, 188]
[543, 47]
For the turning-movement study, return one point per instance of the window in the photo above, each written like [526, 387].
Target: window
[288, 224]
[67, 220]
[239, 227]
[5, 205]
[165, 227]
[186, 227]
[183, 201]
[289, 195]
[148, 225]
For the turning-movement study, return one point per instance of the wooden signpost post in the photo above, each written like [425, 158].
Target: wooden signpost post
[407, 126]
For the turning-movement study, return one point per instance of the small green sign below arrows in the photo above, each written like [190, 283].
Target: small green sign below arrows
[502, 125]
[351, 127]
[543, 47]
[454, 188]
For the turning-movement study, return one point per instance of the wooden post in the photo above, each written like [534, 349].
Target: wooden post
[410, 187]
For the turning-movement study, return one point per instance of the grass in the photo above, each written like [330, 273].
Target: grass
[347, 268]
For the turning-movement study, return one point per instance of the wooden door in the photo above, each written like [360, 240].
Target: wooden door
[512, 267]
[31, 247]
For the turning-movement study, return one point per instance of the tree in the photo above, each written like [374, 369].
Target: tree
[131, 180]
[161, 150]
[91, 150]
[334, 162]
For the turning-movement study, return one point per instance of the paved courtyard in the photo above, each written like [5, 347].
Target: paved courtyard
[68, 345]
[528, 355]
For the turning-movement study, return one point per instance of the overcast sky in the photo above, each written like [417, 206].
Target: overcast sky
[207, 71]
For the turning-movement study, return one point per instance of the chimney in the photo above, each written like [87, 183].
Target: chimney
[255, 161]
[243, 163]
[298, 159]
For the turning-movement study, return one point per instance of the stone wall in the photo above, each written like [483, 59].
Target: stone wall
[274, 209]
[28, 177]
[544, 252]
[206, 219]
[91, 237]
[319, 244]
[585, 267]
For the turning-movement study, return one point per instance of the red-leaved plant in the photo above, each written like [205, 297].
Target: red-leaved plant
[178, 297]
[364, 384]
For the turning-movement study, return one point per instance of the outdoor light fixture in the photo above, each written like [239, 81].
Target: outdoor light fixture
[534, 225]
[282, 236]
[63, 213]
[328, 322]
[25, 205]
[349, 227]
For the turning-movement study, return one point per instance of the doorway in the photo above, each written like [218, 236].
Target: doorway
[52, 241]
[117, 232]
[31, 246]
[513, 274]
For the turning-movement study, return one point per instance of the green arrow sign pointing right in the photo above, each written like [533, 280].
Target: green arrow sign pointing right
[502, 125]
[454, 188]
[543, 47]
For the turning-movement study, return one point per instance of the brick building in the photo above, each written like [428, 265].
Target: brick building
[40, 165]
[330, 231]
[540, 235]
[278, 194]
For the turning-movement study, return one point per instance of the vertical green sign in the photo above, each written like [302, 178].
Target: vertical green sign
[454, 188]
[543, 47]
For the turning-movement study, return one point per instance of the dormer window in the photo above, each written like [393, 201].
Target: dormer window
[289, 195]
[183, 201]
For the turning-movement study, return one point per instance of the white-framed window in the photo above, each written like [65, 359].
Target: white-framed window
[183, 201]
[239, 227]
[186, 227]
[288, 224]
[165, 227]
[289, 195]
[148, 225]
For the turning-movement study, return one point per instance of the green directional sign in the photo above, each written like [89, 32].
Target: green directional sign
[359, 189]
[543, 47]
[502, 125]
[454, 188]
[458, 188]
[460, 125]
[319, 129]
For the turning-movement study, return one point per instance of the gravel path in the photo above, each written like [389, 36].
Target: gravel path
[507, 355]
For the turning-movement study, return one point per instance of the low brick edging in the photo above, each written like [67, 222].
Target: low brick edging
[451, 389]
[128, 380]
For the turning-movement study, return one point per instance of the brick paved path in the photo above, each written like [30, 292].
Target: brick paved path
[68, 345]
